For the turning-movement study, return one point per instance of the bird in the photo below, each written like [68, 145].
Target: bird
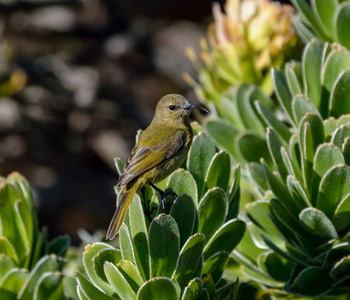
[159, 151]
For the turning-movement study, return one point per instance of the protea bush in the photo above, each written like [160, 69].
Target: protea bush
[179, 252]
[30, 267]
[297, 240]
[325, 20]
[242, 45]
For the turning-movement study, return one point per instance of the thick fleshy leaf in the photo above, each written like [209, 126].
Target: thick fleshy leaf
[192, 290]
[274, 144]
[308, 15]
[49, 263]
[273, 122]
[12, 282]
[341, 270]
[118, 282]
[312, 67]
[283, 93]
[257, 172]
[326, 157]
[297, 191]
[341, 218]
[234, 195]
[334, 187]
[346, 150]
[316, 222]
[303, 32]
[340, 135]
[336, 62]
[330, 125]
[340, 95]
[182, 182]
[311, 282]
[247, 144]
[90, 252]
[219, 171]
[216, 265]
[189, 258]
[139, 236]
[293, 80]
[229, 291]
[245, 109]
[223, 133]
[212, 211]
[326, 11]
[276, 266]
[343, 24]
[59, 245]
[111, 255]
[225, 238]
[164, 243]
[301, 106]
[6, 263]
[12, 226]
[131, 274]
[50, 287]
[199, 158]
[209, 285]
[159, 288]
[125, 242]
[184, 212]
[7, 247]
[88, 290]
[259, 212]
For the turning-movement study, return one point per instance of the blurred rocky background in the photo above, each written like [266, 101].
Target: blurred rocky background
[77, 79]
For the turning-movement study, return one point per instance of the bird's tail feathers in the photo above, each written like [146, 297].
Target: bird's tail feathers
[120, 213]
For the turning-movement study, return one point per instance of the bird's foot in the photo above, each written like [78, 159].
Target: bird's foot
[167, 196]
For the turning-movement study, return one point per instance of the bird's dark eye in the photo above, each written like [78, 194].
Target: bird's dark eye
[172, 107]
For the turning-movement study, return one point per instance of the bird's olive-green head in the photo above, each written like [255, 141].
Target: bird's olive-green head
[174, 108]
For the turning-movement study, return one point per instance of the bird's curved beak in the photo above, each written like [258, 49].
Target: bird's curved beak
[190, 106]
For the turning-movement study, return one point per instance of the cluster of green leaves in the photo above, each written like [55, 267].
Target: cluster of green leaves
[298, 235]
[30, 267]
[177, 252]
[325, 20]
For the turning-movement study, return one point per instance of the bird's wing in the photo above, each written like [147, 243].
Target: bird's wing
[151, 154]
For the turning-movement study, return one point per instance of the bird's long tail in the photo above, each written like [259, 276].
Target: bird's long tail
[120, 212]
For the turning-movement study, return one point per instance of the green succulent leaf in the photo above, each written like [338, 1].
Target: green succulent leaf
[212, 211]
[12, 282]
[316, 222]
[159, 288]
[48, 263]
[126, 244]
[311, 282]
[301, 106]
[119, 165]
[303, 32]
[131, 274]
[341, 218]
[119, 282]
[294, 80]
[277, 267]
[139, 236]
[340, 135]
[248, 143]
[346, 150]
[341, 270]
[189, 258]
[184, 212]
[6, 263]
[334, 187]
[199, 159]
[50, 287]
[219, 171]
[192, 290]
[110, 255]
[340, 96]
[216, 265]
[223, 133]
[182, 182]
[228, 292]
[164, 243]
[226, 238]
[90, 252]
[87, 290]
[209, 285]
[342, 24]
[326, 11]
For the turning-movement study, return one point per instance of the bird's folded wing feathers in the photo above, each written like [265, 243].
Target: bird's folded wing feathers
[142, 159]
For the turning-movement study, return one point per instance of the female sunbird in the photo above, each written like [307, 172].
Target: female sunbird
[160, 150]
